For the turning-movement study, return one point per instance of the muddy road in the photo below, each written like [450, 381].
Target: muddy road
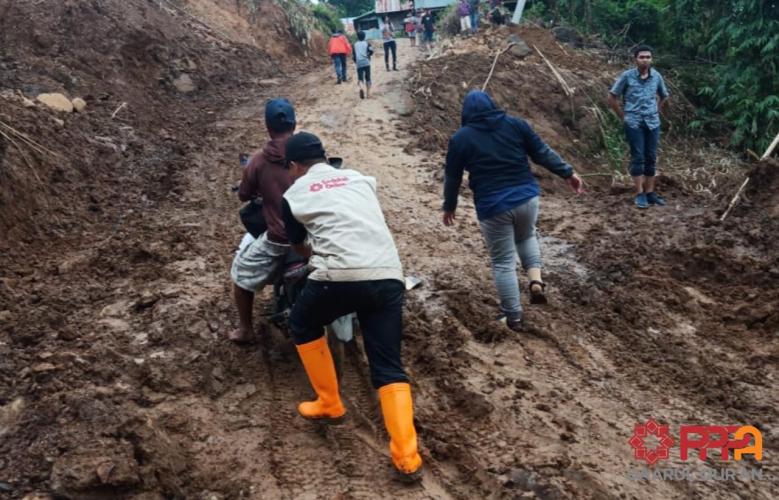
[129, 388]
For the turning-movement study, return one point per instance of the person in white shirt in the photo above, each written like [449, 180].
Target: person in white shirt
[388, 34]
[333, 216]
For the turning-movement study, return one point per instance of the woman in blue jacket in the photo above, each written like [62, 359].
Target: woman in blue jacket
[494, 148]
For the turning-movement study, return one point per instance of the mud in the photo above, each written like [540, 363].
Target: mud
[117, 382]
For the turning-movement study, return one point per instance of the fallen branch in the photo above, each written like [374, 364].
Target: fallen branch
[121, 106]
[735, 199]
[31, 143]
[753, 155]
[746, 181]
[598, 174]
[494, 62]
[770, 148]
[567, 89]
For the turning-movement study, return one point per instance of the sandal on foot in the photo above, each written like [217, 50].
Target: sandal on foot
[514, 324]
[537, 297]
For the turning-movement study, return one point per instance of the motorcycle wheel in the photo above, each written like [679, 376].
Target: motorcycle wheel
[337, 350]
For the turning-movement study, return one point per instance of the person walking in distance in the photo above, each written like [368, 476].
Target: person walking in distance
[410, 27]
[334, 217]
[644, 94]
[428, 27]
[494, 148]
[362, 60]
[388, 35]
[339, 48]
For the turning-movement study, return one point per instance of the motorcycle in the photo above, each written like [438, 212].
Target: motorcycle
[291, 279]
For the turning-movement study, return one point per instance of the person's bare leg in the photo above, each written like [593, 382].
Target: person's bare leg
[649, 184]
[244, 301]
[638, 181]
[534, 274]
[368, 91]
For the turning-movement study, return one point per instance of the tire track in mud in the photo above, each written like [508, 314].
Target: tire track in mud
[300, 465]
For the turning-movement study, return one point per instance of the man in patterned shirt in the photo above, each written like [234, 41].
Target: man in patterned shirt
[644, 93]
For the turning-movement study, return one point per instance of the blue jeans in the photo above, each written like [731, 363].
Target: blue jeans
[339, 61]
[643, 149]
[507, 235]
[379, 307]
[474, 21]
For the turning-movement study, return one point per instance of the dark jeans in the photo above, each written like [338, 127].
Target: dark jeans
[379, 307]
[643, 149]
[339, 62]
[428, 36]
[390, 46]
[364, 75]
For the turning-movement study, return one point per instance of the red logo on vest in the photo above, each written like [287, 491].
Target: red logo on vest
[333, 183]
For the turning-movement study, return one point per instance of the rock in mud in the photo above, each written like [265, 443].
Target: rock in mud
[184, 84]
[38, 496]
[520, 48]
[57, 102]
[569, 36]
[79, 104]
[43, 367]
[85, 472]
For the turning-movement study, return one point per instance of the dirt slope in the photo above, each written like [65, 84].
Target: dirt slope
[116, 381]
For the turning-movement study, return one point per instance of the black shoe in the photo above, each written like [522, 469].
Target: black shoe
[362, 94]
[537, 297]
[338, 82]
[514, 324]
[394, 68]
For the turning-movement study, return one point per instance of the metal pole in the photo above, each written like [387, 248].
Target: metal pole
[518, 12]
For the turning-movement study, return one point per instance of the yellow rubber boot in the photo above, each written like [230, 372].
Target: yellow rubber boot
[398, 411]
[320, 369]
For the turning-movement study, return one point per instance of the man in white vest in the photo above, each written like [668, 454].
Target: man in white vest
[333, 216]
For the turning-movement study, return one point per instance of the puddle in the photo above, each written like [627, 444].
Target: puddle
[560, 256]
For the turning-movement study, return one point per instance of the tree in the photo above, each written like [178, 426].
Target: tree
[352, 8]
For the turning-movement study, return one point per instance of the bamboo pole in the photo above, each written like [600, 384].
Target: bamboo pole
[746, 181]
[567, 89]
[770, 148]
[494, 62]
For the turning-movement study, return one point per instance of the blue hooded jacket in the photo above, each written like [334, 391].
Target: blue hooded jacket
[494, 148]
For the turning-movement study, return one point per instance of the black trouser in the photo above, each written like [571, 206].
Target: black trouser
[379, 307]
[364, 75]
[391, 45]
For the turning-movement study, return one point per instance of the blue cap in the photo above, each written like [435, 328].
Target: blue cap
[279, 115]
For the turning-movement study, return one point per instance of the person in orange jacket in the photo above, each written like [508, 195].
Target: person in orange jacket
[339, 49]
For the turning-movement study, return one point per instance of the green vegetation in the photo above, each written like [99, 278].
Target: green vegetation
[726, 53]
[303, 16]
[351, 8]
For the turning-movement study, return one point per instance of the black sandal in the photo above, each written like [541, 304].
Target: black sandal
[537, 297]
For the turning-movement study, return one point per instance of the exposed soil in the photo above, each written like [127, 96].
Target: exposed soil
[116, 381]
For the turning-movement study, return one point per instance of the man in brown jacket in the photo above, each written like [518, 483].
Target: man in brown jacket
[265, 177]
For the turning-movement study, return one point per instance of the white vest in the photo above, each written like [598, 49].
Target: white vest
[346, 228]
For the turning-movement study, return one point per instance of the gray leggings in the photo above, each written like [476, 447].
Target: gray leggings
[508, 234]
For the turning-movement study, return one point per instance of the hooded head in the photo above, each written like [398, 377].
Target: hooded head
[480, 112]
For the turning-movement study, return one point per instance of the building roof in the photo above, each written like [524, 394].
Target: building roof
[363, 17]
[433, 4]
